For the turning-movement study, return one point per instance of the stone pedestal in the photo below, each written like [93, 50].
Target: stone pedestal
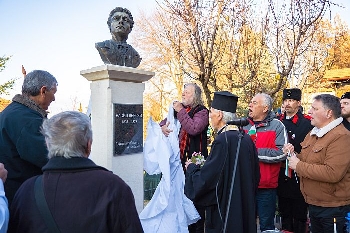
[113, 90]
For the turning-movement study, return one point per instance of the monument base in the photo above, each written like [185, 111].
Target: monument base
[112, 86]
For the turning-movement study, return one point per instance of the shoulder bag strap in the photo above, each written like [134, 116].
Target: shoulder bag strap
[43, 207]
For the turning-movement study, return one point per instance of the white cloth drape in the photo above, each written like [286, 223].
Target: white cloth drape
[169, 210]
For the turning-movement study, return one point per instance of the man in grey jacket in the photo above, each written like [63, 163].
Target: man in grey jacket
[269, 135]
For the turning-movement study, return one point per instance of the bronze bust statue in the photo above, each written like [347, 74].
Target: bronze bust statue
[116, 51]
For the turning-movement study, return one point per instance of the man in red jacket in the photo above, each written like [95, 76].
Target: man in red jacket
[269, 135]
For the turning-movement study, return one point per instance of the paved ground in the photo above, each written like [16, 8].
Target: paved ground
[277, 225]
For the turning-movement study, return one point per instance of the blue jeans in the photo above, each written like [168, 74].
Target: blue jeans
[266, 206]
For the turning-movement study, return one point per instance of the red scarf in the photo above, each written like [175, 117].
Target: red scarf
[183, 139]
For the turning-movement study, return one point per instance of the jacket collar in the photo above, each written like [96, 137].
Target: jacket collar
[269, 117]
[61, 163]
[322, 131]
[227, 128]
[22, 99]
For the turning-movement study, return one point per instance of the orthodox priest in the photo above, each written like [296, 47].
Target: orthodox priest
[229, 206]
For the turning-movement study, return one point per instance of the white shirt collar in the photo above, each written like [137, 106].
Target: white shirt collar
[322, 131]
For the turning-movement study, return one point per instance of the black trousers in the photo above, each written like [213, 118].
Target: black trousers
[293, 213]
[322, 218]
[198, 227]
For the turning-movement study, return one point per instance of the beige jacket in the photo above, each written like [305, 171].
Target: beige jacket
[324, 167]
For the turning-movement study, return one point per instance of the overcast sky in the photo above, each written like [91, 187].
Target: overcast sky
[59, 36]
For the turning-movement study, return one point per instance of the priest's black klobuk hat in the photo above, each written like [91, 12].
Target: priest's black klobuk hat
[225, 101]
[292, 93]
[346, 95]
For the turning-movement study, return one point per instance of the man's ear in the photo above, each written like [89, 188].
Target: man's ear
[221, 115]
[88, 148]
[43, 90]
[265, 109]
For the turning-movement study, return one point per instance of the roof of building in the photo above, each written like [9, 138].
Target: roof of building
[338, 75]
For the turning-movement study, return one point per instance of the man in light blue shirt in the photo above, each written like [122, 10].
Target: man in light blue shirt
[4, 211]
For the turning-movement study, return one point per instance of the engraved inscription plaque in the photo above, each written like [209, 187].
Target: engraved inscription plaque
[128, 130]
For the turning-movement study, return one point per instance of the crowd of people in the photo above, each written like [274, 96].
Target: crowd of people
[295, 163]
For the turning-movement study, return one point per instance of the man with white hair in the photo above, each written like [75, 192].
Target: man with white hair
[194, 119]
[269, 135]
[73, 194]
[227, 182]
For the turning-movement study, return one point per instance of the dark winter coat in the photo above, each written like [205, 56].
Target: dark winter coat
[210, 185]
[22, 146]
[297, 128]
[81, 196]
[346, 123]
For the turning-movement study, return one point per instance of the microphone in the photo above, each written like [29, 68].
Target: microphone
[239, 122]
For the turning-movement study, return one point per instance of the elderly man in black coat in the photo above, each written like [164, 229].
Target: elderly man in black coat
[79, 195]
[230, 203]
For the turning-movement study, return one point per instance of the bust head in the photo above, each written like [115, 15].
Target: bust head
[120, 23]
[116, 51]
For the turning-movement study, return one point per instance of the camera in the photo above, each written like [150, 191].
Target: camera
[240, 122]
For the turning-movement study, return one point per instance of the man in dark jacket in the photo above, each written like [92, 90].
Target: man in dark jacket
[22, 146]
[81, 196]
[230, 207]
[345, 109]
[291, 203]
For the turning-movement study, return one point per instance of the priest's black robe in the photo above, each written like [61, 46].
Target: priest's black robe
[210, 185]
